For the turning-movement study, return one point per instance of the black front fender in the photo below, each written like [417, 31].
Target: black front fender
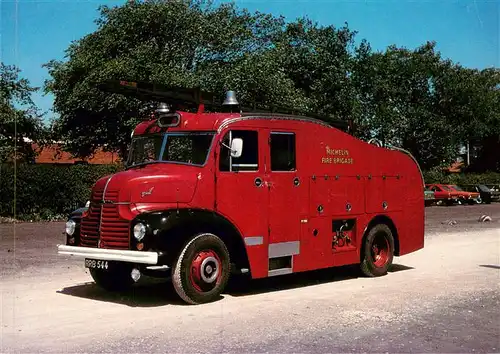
[76, 216]
[168, 230]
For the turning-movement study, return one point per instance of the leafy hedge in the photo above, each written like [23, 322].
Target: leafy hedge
[47, 192]
[437, 176]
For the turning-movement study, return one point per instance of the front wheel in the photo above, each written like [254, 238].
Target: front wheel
[378, 251]
[202, 269]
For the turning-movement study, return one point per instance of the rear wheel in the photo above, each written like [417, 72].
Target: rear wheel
[117, 278]
[202, 269]
[378, 251]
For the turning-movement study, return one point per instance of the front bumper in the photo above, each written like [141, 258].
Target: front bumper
[109, 255]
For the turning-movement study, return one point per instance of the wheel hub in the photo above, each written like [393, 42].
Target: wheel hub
[380, 250]
[209, 269]
[205, 270]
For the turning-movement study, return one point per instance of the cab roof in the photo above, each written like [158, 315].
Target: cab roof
[188, 121]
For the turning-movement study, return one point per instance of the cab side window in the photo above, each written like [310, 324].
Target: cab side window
[249, 159]
[283, 156]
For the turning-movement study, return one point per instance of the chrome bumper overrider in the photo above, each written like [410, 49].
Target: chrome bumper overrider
[109, 255]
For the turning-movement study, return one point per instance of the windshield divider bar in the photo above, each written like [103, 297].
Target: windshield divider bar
[163, 145]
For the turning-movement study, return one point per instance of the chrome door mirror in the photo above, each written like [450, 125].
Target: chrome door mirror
[236, 147]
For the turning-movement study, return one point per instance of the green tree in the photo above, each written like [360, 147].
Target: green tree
[414, 99]
[180, 43]
[401, 95]
[319, 61]
[19, 117]
[475, 101]
[192, 43]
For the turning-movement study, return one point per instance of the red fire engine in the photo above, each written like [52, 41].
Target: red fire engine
[207, 194]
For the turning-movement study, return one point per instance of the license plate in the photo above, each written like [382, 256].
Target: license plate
[96, 264]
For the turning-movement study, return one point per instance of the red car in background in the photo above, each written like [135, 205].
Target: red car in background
[443, 194]
[463, 196]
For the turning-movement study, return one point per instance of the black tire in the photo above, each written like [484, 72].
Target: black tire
[117, 278]
[381, 236]
[202, 269]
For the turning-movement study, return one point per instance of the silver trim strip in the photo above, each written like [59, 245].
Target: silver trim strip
[282, 249]
[158, 267]
[279, 271]
[109, 255]
[245, 165]
[106, 188]
[271, 116]
[101, 206]
[254, 240]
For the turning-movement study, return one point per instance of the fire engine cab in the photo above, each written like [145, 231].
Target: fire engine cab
[206, 194]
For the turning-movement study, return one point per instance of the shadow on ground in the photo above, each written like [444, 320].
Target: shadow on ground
[146, 293]
[150, 292]
[489, 266]
[242, 286]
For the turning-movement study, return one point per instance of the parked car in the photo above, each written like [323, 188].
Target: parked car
[443, 194]
[487, 195]
[465, 197]
[495, 192]
[429, 197]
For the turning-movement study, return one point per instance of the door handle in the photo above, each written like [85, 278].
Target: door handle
[258, 182]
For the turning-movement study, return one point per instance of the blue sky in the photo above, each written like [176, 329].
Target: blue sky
[36, 31]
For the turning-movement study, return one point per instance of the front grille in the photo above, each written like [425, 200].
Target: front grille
[114, 231]
[89, 229]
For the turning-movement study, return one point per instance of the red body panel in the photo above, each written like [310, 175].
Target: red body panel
[290, 212]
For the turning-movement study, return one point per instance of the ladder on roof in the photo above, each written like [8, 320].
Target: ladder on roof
[175, 95]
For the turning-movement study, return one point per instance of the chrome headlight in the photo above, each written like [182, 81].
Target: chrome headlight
[139, 231]
[70, 227]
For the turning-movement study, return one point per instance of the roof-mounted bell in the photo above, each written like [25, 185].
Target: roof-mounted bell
[230, 104]
[162, 108]
[230, 99]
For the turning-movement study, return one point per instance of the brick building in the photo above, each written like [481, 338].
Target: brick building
[53, 154]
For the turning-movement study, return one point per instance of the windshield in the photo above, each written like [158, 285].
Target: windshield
[189, 148]
[483, 188]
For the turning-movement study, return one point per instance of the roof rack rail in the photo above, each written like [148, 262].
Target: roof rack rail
[339, 124]
[175, 95]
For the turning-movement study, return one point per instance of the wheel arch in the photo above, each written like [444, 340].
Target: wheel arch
[381, 219]
[175, 227]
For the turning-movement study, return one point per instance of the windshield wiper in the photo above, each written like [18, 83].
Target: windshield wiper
[141, 164]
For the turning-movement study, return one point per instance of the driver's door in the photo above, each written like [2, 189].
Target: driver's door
[241, 194]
